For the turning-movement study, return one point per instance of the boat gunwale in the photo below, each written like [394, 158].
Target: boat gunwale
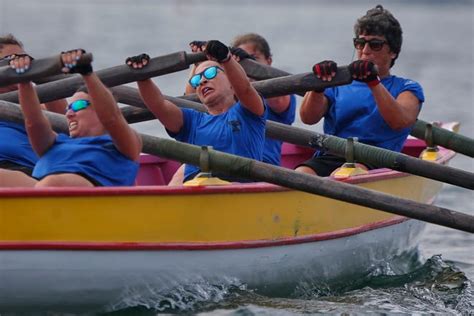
[255, 187]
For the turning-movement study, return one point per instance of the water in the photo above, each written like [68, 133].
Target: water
[437, 51]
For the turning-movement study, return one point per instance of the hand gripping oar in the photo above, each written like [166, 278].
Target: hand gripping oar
[376, 156]
[447, 139]
[255, 170]
[40, 68]
[111, 77]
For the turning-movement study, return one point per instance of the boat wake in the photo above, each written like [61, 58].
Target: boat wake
[433, 287]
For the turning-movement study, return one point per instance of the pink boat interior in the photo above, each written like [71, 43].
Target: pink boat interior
[158, 171]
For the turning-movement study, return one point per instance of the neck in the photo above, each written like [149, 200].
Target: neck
[220, 106]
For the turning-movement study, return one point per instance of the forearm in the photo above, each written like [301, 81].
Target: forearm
[397, 113]
[244, 91]
[313, 108]
[166, 112]
[58, 106]
[38, 127]
[102, 99]
[189, 89]
[124, 137]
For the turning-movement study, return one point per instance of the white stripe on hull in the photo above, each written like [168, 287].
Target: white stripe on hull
[92, 279]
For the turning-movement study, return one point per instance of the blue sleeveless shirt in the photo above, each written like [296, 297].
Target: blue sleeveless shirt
[272, 149]
[237, 131]
[353, 113]
[15, 146]
[96, 157]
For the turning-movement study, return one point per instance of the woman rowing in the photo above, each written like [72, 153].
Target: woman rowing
[235, 122]
[15, 150]
[101, 150]
[280, 109]
[378, 108]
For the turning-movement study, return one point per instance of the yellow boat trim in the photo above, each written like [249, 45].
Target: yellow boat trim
[219, 217]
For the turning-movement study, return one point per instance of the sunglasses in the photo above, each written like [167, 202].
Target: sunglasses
[78, 105]
[208, 73]
[374, 44]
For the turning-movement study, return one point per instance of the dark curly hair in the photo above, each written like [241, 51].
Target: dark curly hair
[379, 21]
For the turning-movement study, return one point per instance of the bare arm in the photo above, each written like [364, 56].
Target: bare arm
[314, 107]
[245, 92]
[400, 112]
[167, 112]
[57, 106]
[189, 89]
[40, 132]
[196, 46]
[124, 137]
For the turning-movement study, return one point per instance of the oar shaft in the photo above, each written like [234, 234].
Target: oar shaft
[363, 153]
[372, 155]
[442, 137]
[254, 170]
[113, 76]
[39, 68]
[299, 83]
[447, 139]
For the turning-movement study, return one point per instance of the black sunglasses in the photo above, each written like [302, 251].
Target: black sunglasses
[374, 44]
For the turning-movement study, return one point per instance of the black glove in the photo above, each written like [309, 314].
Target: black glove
[19, 68]
[83, 69]
[217, 51]
[13, 56]
[240, 53]
[199, 44]
[325, 71]
[365, 71]
[325, 68]
[139, 60]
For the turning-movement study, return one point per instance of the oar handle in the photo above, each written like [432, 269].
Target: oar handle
[192, 58]
[39, 68]
[294, 84]
[113, 76]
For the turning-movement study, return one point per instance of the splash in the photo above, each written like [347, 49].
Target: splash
[180, 297]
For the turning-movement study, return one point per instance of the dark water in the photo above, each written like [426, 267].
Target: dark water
[437, 51]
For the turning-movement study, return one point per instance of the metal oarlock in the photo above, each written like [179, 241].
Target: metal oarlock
[205, 178]
[204, 162]
[349, 168]
[431, 151]
[349, 153]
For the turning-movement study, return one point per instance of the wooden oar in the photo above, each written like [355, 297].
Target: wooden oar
[258, 171]
[40, 68]
[111, 77]
[459, 143]
[376, 156]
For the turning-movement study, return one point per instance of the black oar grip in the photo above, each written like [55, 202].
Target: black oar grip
[192, 58]
[39, 68]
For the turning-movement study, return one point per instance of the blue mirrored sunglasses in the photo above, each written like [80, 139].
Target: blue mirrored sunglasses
[78, 105]
[208, 73]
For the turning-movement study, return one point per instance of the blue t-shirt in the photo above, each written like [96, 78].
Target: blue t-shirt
[353, 113]
[95, 157]
[272, 149]
[237, 131]
[15, 146]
